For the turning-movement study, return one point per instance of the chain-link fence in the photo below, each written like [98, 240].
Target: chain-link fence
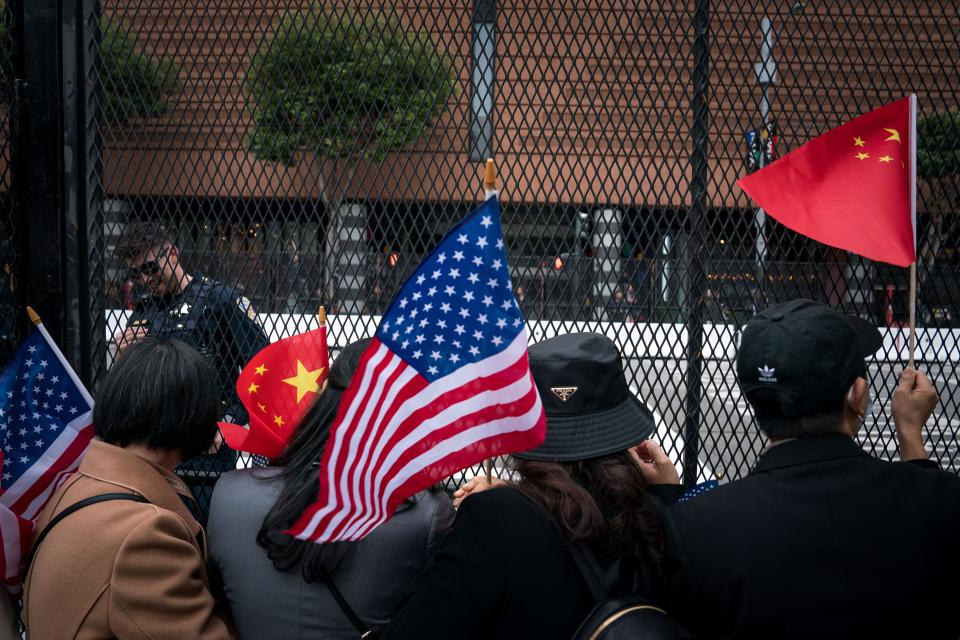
[311, 153]
[9, 264]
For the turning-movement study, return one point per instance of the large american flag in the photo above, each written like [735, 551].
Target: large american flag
[444, 384]
[45, 427]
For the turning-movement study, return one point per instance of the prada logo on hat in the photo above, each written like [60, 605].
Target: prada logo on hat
[563, 393]
[767, 373]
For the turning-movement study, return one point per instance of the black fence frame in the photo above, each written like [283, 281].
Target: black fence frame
[55, 170]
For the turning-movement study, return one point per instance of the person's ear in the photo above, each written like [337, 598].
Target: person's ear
[857, 397]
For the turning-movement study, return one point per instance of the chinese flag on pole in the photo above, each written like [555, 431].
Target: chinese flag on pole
[853, 188]
[276, 387]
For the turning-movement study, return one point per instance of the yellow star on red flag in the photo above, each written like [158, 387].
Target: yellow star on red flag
[827, 191]
[300, 361]
[306, 381]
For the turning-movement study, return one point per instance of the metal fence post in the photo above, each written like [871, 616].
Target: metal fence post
[83, 218]
[698, 207]
[36, 167]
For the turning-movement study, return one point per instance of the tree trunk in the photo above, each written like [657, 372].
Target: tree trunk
[334, 189]
[836, 284]
[932, 242]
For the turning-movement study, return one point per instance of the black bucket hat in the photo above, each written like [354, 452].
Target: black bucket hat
[590, 409]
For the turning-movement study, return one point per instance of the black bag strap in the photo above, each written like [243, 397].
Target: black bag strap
[591, 570]
[594, 573]
[627, 574]
[86, 502]
[366, 633]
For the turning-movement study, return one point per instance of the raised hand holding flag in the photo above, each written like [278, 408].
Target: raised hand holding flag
[444, 384]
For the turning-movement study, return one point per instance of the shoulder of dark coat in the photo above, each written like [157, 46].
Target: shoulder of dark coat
[718, 501]
[504, 508]
[722, 502]
[927, 472]
[236, 486]
[428, 499]
[216, 291]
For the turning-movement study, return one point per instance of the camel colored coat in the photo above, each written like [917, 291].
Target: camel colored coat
[121, 569]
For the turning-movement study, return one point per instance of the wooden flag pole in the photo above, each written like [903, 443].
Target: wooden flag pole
[489, 180]
[913, 313]
[34, 316]
[322, 315]
[489, 191]
[912, 340]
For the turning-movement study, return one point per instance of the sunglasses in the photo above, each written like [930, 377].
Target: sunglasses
[148, 268]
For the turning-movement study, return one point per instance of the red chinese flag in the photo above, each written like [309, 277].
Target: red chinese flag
[853, 188]
[277, 386]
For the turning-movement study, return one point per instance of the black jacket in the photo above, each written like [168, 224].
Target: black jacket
[216, 320]
[503, 572]
[820, 541]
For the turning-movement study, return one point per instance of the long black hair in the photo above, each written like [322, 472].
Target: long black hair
[300, 477]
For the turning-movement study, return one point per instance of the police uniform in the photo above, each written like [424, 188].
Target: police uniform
[216, 320]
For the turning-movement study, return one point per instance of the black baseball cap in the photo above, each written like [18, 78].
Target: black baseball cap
[591, 411]
[806, 350]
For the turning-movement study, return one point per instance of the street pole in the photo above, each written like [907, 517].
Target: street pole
[766, 71]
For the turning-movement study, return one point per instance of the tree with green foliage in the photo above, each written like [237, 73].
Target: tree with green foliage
[343, 88]
[135, 83]
[938, 164]
[938, 147]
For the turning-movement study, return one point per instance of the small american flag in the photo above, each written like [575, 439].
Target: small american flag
[45, 427]
[444, 384]
[696, 490]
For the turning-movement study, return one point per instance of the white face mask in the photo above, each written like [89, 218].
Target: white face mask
[869, 399]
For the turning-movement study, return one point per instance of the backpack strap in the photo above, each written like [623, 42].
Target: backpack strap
[598, 578]
[86, 502]
[627, 574]
[366, 633]
[591, 570]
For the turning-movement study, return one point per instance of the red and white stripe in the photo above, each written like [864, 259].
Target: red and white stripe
[22, 502]
[16, 536]
[28, 495]
[397, 433]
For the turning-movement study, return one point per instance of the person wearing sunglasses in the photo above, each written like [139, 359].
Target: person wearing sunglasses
[212, 317]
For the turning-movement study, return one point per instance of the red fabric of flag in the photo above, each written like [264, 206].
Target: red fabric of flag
[277, 387]
[852, 188]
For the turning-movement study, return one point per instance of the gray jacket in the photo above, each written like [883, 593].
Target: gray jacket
[375, 579]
